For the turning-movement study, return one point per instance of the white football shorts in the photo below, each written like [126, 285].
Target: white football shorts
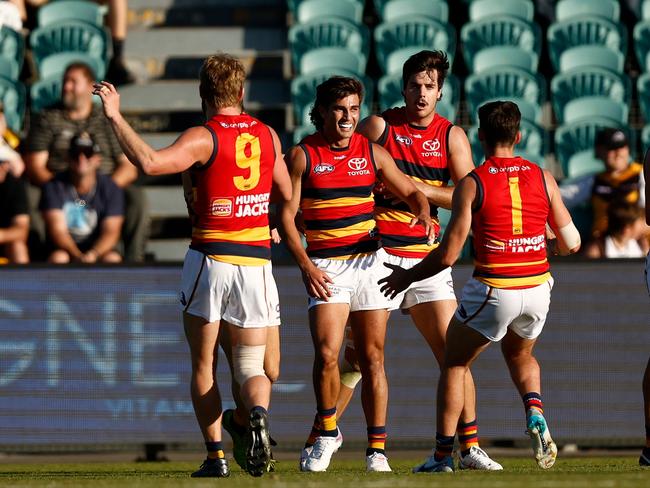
[492, 311]
[354, 281]
[245, 296]
[433, 289]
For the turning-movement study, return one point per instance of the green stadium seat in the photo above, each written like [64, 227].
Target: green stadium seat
[645, 136]
[583, 163]
[589, 107]
[643, 89]
[56, 64]
[12, 94]
[396, 59]
[45, 92]
[506, 83]
[303, 88]
[293, 5]
[579, 136]
[9, 68]
[586, 82]
[332, 58]
[337, 33]
[413, 32]
[641, 36]
[301, 132]
[504, 56]
[70, 35]
[481, 9]
[591, 56]
[645, 10]
[394, 9]
[309, 10]
[63, 10]
[12, 45]
[499, 31]
[592, 31]
[567, 9]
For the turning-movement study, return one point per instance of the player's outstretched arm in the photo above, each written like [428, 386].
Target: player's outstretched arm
[403, 188]
[194, 145]
[449, 250]
[315, 280]
[568, 237]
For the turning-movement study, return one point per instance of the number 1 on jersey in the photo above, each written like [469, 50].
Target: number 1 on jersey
[515, 196]
[250, 162]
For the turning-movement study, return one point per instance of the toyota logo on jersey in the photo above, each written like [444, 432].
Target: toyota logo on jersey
[358, 166]
[431, 148]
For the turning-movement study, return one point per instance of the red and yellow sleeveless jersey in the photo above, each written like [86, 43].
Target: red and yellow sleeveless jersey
[509, 223]
[336, 202]
[421, 154]
[228, 196]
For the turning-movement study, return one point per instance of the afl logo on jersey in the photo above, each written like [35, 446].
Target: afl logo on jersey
[407, 141]
[358, 166]
[221, 207]
[431, 148]
[323, 168]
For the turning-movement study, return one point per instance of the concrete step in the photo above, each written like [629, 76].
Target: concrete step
[167, 249]
[165, 201]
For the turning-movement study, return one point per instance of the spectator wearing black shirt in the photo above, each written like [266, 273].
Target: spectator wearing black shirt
[14, 217]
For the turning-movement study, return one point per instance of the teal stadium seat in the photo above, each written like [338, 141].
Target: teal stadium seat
[309, 10]
[70, 35]
[586, 82]
[12, 45]
[332, 58]
[12, 94]
[302, 131]
[396, 59]
[338, 33]
[645, 10]
[585, 30]
[643, 89]
[506, 83]
[645, 136]
[303, 88]
[414, 32]
[576, 138]
[589, 107]
[56, 64]
[499, 31]
[481, 9]
[63, 10]
[436, 9]
[591, 56]
[9, 68]
[583, 163]
[567, 9]
[641, 36]
[504, 56]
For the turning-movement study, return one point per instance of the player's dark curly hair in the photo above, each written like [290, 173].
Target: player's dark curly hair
[330, 91]
[426, 61]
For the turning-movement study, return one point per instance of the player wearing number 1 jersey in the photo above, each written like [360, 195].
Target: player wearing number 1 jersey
[230, 164]
[507, 202]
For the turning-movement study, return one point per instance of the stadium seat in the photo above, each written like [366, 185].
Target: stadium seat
[480, 9]
[532, 146]
[12, 94]
[567, 9]
[416, 32]
[302, 131]
[9, 68]
[394, 9]
[396, 59]
[12, 45]
[583, 163]
[45, 92]
[332, 58]
[645, 136]
[504, 56]
[645, 10]
[63, 10]
[56, 64]
[641, 36]
[309, 10]
[589, 107]
[499, 31]
[586, 82]
[69, 36]
[591, 56]
[585, 30]
[505, 83]
[333, 32]
[571, 139]
[643, 89]
[303, 88]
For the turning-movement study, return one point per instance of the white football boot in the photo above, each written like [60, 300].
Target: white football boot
[477, 458]
[321, 452]
[306, 451]
[377, 463]
[544, 448]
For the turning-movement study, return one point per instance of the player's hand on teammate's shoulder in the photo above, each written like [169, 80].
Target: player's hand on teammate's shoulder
[395, 282]
[317, 282]
[110, 98]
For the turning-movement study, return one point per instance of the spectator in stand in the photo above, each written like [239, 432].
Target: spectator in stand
[620, 240]
[48, 146]
[83, 210]
[8, 144]
[14, 217]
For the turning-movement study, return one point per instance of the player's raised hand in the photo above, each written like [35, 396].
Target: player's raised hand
[110, 98]
[395, 282]
[317, 283]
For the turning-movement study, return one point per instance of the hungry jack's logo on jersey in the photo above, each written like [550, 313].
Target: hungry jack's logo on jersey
[221, 207]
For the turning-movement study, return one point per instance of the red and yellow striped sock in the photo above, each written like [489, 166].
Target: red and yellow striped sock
[327, 421]
[215, 450]
[315, 432]
[467, 436]
[376, 440]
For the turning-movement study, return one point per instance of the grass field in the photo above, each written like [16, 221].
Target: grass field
[567, 473]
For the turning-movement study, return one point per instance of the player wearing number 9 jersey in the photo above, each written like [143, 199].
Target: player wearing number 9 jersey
[507, 202]
[231, 165]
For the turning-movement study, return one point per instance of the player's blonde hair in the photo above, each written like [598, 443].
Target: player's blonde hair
[221, 80]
